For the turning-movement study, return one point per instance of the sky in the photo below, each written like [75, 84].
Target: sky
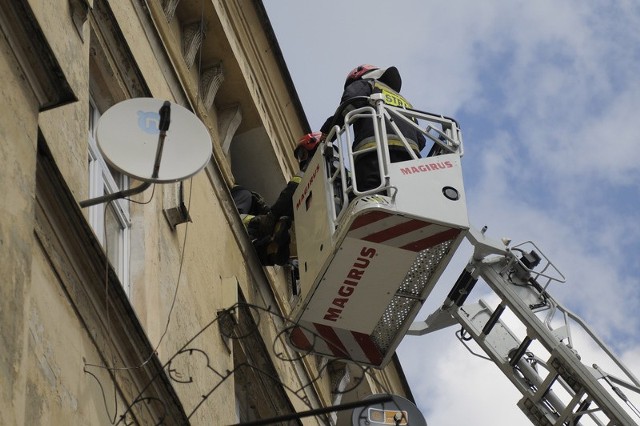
[547, 94]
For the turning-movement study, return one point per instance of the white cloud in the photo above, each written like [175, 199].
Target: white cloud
[455, 388]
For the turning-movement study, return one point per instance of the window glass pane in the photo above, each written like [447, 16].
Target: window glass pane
[92, 124]
[113, 230]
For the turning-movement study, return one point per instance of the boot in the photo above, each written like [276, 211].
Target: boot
[260, 228]
[278, 248]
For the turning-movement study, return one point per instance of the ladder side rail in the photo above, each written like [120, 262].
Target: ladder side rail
[554, 306]
[631, 382]
[612, 381]
[529, 383]
[544, 391]
[491, 272]
[536, 329]
[543, 396]
[498, 358]
[530, 380]
[603, 346]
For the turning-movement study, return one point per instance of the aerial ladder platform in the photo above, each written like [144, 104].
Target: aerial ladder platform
[368, 260]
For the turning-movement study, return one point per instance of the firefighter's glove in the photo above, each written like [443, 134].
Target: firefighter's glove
[258, 205]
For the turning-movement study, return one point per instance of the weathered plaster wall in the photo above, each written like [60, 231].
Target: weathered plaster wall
[18, 135]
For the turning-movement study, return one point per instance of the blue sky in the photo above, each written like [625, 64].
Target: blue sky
[547, 94]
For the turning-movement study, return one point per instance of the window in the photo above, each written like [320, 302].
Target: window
[110, 221]
[259, 393]
[113, 77]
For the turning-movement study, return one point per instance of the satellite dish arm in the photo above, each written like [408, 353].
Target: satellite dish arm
[165, 121]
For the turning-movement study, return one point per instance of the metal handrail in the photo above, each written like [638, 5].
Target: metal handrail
[444, 132]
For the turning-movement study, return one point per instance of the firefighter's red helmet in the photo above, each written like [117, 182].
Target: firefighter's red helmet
[389, 76]
[307, 145]
[358, 72]
[309, 142]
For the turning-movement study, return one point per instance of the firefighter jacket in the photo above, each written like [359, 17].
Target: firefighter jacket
[354, 96]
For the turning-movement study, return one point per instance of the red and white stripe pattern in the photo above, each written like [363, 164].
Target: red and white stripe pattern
[336, 343]
[383, 228]
[399, 231]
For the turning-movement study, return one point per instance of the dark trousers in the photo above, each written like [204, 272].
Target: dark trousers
[366, 167]
[284, 204]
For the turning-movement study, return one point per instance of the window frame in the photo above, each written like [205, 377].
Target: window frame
[102, 182]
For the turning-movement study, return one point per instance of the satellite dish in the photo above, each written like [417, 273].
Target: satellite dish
[127, 137]
[397, 412]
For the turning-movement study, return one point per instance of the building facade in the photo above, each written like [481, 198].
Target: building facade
[153, 308]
